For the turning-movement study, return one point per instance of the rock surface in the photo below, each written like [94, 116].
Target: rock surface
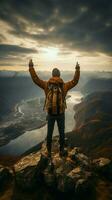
[103, 166]
[5, 176]
[74, 174]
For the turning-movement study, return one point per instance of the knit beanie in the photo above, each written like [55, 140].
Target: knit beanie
[56, 72]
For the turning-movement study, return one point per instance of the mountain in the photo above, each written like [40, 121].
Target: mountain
[97, 84]
[93, 130]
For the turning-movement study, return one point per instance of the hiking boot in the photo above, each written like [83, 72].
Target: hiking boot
[63, 153]
[48, 154]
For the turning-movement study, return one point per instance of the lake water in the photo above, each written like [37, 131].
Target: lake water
[31, 138]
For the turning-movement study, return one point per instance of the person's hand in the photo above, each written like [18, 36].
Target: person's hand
[77, 66]
[31, 63]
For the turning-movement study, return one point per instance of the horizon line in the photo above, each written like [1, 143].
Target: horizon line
[51, 70]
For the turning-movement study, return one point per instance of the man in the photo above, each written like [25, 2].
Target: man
[55, 91]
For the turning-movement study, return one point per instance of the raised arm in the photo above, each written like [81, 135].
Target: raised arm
[42, 84]
[70, 84]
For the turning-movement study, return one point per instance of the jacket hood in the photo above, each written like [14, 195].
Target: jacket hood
[55, 79]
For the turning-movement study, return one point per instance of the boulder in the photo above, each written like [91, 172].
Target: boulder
[103, 166]
[74, 152]
[65, 183]
[28, 176]
[5, 176]
[84, 186]
[25, 179]
[80, 158]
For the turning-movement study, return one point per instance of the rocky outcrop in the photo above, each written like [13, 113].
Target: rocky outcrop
[74, 174]
[62, 173]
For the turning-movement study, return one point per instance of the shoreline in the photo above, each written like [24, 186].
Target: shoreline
[6, 141]
[19, 122]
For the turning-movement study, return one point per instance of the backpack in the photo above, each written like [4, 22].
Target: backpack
[55, 101]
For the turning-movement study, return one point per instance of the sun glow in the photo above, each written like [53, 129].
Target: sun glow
[51, 53]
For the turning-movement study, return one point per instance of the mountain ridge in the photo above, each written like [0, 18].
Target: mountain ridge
[93, 125]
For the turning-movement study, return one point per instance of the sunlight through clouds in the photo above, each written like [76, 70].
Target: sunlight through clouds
[56, 33]
[50, 53]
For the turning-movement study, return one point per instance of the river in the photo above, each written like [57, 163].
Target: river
[29, 139]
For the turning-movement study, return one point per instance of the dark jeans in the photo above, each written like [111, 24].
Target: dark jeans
[61, 127]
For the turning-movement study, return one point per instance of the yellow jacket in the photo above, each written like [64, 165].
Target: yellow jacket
[44, 84]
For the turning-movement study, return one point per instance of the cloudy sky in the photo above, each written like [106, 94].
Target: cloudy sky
[56, 33]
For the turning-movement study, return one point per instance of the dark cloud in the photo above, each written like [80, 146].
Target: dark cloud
[75, 24]
[13, 50]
